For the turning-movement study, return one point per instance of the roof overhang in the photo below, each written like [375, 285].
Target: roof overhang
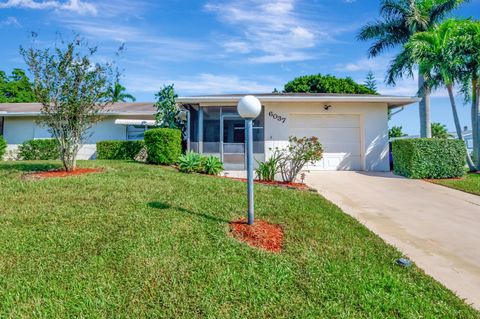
[135, 122]
[391, 101]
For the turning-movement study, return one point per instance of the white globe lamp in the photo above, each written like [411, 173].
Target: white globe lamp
[249, 107]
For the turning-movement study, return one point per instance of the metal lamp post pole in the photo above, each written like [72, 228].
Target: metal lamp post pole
[249, 145]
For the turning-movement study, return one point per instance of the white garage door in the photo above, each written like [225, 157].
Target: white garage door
[339, 135]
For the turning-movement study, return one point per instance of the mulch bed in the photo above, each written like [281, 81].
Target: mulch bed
[62, 173]
[261, 234]
[299, 186]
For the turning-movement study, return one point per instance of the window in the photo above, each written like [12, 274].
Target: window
[135, 132]
[2, 119]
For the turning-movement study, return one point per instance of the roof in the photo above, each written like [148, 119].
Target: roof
[391, 100]
[29, 109]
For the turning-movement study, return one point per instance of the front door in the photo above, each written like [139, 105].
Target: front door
[232, 151]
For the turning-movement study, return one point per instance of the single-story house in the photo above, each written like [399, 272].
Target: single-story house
[122, 121]
[353, 129]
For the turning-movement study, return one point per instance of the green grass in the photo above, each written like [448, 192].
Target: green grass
[470, 183]
[145, 241]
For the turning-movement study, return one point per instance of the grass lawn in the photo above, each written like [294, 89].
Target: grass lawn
[144, 241]
[470, 183]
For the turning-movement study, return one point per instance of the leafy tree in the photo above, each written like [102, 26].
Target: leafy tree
[72, 90]
[370, 81]
[326, 84]
[117, 93]
[396, 132]
[168, 113]
[431, 50]
[439, 130]
[399, 20]
[16, 88]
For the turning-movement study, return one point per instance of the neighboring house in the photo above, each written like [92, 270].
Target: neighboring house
[353, 129]
[122, 121]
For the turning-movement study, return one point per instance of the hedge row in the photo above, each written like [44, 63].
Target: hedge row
[164, 145]
[429, 158]
[3, 147]
[41, 149]
[119, 150]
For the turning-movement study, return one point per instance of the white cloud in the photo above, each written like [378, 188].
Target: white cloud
[77, 6]
[204, 83]
[365, 64]
[269, 30]
[10, 21]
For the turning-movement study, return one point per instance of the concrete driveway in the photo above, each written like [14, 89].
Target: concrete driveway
[437, 227]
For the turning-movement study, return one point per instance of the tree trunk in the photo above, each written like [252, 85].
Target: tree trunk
[424, 108]
[458, 127]
[475, 127]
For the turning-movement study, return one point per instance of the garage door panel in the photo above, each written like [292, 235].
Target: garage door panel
[339, 135]
[346, 148]
[326, 121]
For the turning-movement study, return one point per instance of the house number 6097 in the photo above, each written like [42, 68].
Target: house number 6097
[277, 117]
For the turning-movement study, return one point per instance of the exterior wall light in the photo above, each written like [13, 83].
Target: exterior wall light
[249, 108]
[327, 107]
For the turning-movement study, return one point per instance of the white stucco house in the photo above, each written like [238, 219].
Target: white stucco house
[122, 121]
[353, 129]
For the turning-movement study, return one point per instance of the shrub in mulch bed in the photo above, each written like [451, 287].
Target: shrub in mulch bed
[261, 234]
[299, 186]
[61, 173]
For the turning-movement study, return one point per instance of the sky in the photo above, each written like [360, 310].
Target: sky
[225, 46]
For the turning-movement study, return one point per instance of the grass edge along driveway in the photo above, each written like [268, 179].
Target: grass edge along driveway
[145, 241]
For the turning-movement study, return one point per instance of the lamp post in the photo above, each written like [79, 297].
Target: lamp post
[249, 107]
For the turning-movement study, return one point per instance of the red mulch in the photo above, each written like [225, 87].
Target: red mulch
[299, 186]
[62, 173]
[261, 234]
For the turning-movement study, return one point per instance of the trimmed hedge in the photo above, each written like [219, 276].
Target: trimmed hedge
[164, 145]
[429, 158]
[41, 149]
[3, 147]
[119, 150]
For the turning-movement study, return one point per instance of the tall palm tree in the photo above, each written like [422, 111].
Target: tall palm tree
[465, 47]
[117, 93]
[431, 51]
[400, 19]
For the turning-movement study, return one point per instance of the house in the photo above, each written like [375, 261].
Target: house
[121, 121]
[353, 129]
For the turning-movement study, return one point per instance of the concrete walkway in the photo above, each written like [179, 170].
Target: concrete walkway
[437, 227]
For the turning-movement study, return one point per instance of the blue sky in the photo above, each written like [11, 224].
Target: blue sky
[227, 46]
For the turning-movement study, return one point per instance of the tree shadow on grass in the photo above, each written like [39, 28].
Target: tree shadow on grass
[28, 167]
[160, 205]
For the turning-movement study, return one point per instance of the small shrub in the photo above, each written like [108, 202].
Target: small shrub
[41, 149]
[164, 145]
[190, 162]
[119, 150]
[211, 165]
[267, 170]
[300, 152]
[3, 147]
[429, 158]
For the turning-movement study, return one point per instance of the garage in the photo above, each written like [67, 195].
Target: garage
[339, 135]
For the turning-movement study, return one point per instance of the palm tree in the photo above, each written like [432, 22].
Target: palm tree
[465, 47]
[116, 93]
[431, 51]
[400, 19]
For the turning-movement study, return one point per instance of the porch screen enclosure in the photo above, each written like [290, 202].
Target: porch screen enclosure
[220, 131]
